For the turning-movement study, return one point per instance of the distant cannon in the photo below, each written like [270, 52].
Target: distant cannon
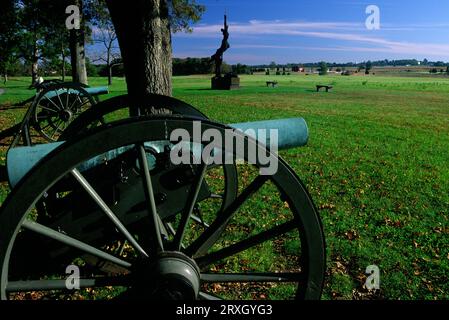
[55, 105]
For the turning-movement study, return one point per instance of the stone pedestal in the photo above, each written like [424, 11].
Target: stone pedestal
[227, 82]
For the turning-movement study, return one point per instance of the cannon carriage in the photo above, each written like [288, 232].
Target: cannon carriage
[55, 105]
[109, 200]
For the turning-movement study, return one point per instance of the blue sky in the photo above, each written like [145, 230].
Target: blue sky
[285, 31]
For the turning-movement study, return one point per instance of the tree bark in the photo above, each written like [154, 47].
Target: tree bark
[109, 74]
[63, 69]
[143, 32]
[77, 51]
[78, 56]
[63, 61]
[109, 65]
[34, 64]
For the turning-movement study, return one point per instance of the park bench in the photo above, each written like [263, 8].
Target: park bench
[320, 86]
[272, 83]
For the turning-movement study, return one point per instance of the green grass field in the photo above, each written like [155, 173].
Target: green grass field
[377, 167]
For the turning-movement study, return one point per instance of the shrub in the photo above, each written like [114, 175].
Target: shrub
[323, 68]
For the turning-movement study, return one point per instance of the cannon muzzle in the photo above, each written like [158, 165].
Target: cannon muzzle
[291, 133]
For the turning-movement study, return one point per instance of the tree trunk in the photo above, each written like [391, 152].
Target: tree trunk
[5, 77]
[77, 56]
[109, 65]
[34, 71]
[63, 69]
[73, 54]
[77, 51]
[109, 74]
[34, 65]
[63, 62]
[143, 32]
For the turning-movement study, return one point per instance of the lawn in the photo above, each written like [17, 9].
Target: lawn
[377, 167]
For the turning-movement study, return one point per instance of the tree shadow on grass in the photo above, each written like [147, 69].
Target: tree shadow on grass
[3, 174]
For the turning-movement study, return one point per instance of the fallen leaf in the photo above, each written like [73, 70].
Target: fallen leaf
[351, 235]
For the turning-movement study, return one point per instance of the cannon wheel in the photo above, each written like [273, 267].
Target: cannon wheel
[52, 115]
[272, 218]
[118, 108]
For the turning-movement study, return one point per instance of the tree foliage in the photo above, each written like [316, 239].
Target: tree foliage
[368, 67]
[8, 36]
[323, 68]
[183, 13]
[34, 32]
[190, 66]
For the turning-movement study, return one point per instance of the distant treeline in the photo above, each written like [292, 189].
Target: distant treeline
[188, 66]
[185, 66]
[205, 66]
[379, 63]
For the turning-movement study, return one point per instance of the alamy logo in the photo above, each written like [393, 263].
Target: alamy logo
[373, 20]
[73, 20]
[210, 151]
[72, 282]
[373, 280]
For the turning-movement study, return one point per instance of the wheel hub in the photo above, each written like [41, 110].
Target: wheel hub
[65, 115]
[173, 276]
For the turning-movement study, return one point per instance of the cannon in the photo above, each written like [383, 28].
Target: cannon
[108, 200]
[55, 105]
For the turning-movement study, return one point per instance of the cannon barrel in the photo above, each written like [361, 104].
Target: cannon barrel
[291, 133]
[93, 91]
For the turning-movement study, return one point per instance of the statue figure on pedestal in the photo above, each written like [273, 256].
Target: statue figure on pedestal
[218, 56]
[228, 81]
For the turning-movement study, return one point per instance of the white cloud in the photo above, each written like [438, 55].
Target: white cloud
[342, 31]
[257, 27]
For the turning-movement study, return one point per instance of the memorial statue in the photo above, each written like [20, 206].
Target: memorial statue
[218, 56]
[229, 81]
